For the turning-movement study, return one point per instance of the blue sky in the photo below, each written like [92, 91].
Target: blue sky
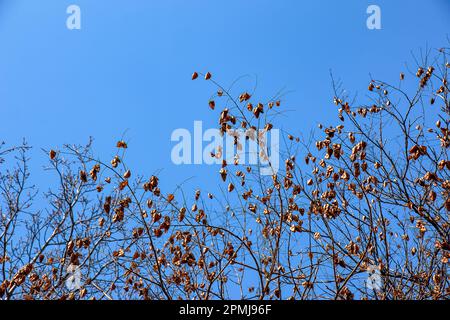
[127, 71]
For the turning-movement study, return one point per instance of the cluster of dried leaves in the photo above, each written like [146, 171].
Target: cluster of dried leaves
[372, 191]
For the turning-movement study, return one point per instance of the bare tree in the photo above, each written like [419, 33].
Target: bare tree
[370, 194]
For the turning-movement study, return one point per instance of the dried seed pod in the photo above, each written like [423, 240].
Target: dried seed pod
[83, 176]
[123, 184]
[121, 144]
[223, 173]
[115, 161]
[419, 72]
[182, 214]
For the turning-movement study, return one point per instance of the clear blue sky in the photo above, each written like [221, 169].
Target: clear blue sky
[128, 69]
